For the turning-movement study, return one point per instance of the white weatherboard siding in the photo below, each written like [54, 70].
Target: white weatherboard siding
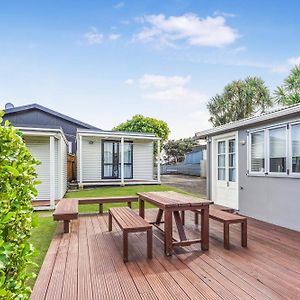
[91, 160]
[39, 148]
[57, 170]
[143, 160]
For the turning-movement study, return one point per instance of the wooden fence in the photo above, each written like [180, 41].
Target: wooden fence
[72, 167]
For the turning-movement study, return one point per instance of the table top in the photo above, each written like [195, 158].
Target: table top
[174, 200]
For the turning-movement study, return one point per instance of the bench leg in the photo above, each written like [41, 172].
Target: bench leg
[109, 221]
[100, 208]
[125, 246]
[226, 235]
[182, 217]
[244, 233]
[149, 243]
[205, 228]
[66, 226]
[196, 218]
[129, 204]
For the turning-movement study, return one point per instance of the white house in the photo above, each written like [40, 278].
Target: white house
[49, 146]
[116, 158]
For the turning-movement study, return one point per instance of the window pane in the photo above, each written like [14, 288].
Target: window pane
[232, 176]
[221, 173]
[221, 160]
[127, 153]
[221, 147]
[108, 152]
[107, 170]
[277, 150]
[258, 151]
[295, 148]
[127, 171]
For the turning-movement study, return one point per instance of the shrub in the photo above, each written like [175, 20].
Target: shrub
[17, 188]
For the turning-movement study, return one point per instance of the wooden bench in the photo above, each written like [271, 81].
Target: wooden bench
[227, 218]
[66, 210]
[102, 200]
[129, 221]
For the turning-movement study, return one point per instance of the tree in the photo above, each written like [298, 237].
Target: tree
[289, 92]
[174, 150]
[139, 123]
[17, 188]
[240, 99]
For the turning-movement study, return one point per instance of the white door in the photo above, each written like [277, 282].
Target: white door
[225, 186]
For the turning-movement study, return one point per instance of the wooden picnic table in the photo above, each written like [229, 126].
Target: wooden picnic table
[171, 204]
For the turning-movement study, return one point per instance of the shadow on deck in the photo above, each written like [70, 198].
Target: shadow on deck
[87, 264]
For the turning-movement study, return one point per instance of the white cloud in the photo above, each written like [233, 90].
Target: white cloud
[93, 36]
[224, 14]
[160, 81]
[168, 89]
[114, 36]
[210, 31]
[129, 81]
[285, 67]
[119, 5]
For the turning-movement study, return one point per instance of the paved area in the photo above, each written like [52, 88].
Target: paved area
[191, 184]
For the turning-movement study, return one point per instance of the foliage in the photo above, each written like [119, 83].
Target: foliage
[139, 123]
[117, 191]
[240, 99]
[17, 188]
[289, 92]
[175, 149]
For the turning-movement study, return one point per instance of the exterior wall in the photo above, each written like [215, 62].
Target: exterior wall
[35, 117]
[272, 199]
[64, 161]
[143, 160]
[40, 149]
[92, 160]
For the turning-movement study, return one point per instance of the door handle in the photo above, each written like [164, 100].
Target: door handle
[227, 183]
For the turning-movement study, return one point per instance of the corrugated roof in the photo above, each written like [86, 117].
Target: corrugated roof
[274, 114]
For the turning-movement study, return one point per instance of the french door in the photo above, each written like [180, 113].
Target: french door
[225, 188]
[111, 160]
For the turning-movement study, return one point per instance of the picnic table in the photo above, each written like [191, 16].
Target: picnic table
[171, 204]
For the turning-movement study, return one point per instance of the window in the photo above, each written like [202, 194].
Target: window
[277, 150]
[221, 160]
[295, 138]
[258, 151]
[231, 156]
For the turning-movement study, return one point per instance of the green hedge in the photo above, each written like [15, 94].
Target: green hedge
[17, 188]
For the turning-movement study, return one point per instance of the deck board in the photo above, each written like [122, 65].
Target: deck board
[88, 264]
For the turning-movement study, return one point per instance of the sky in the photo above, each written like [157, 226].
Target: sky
[104, 61]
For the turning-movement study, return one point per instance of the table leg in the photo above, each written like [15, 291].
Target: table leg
[100, 208]
[179, 225]
[159, 216]
[205, 228]
[226, 236]
[244, 233]
[168, 233]
[142, 208]
[183, 217]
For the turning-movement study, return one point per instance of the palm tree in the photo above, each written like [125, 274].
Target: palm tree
[289, 92]
[240, 99]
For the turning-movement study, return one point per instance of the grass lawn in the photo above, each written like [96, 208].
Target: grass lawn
[40, 238]
[117, 191]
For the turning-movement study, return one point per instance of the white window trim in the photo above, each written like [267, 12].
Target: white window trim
[292, 174]
[267, 173]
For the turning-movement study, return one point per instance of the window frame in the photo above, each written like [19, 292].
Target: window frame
[290, 162]
[289, 155]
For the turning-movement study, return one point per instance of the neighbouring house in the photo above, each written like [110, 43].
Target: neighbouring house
[253, 165]
[50, 147]
[35, 115]
[116, 158]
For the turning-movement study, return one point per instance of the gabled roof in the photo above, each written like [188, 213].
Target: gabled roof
[49, 111]
[272, 115]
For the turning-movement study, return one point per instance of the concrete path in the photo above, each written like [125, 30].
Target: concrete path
[190, 184]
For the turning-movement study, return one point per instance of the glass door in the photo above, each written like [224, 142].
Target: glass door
[110, 165]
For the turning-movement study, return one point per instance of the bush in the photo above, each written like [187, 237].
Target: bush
[17, 188]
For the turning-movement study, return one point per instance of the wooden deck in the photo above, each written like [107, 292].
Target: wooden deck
[87, 264]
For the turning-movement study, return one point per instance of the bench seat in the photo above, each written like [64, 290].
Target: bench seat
[66, 210]
[129, 221]
[227, 218]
